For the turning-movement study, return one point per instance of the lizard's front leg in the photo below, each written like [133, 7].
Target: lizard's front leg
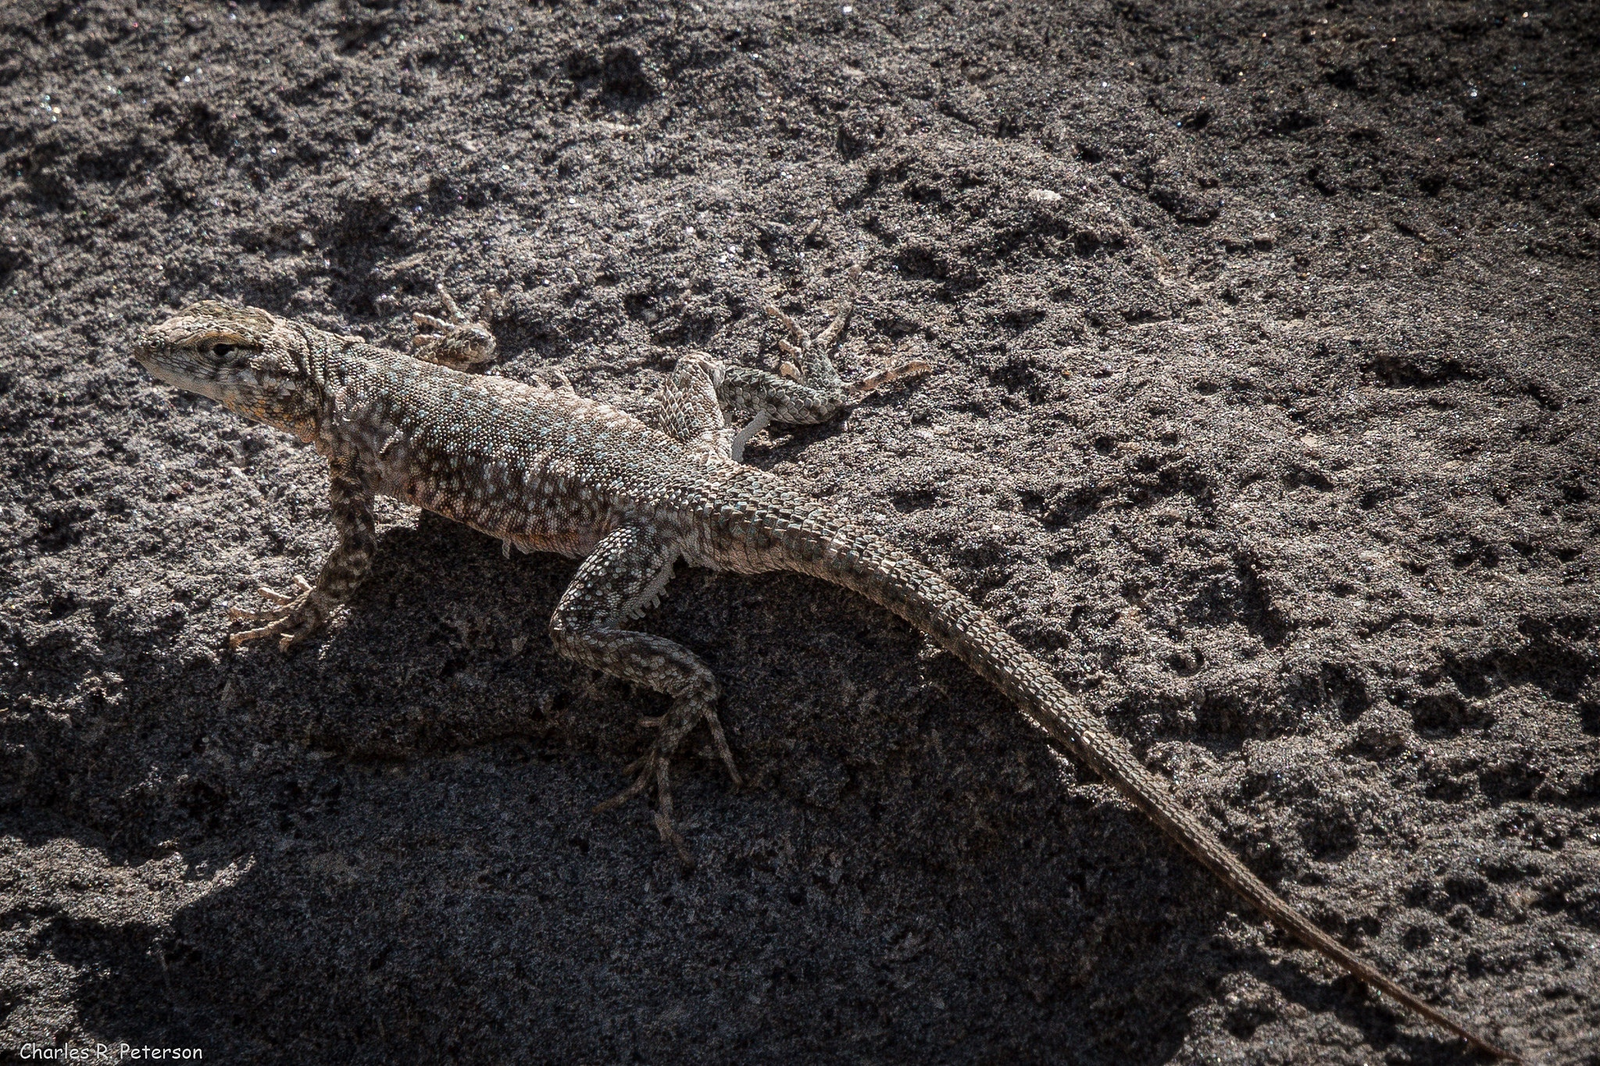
[297, 617]
[460, 341]
[621, 578]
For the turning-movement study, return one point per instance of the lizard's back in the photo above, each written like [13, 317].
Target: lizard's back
[541, 467]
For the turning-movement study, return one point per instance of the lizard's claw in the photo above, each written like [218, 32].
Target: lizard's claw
[655, 766]
[293, 619]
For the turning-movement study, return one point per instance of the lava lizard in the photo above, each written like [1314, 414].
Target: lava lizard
[545, 469]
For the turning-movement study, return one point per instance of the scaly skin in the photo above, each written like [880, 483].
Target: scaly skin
[545, 469]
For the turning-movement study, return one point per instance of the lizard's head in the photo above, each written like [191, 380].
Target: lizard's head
[243, 357]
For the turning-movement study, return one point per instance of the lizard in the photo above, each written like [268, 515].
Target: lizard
[545, 469]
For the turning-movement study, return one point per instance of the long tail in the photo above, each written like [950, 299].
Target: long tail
[817, 543]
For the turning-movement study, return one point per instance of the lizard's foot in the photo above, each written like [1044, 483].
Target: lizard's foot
[655, 767]
[813, 352]
[459, 340]
[807, 388]
[293, 619]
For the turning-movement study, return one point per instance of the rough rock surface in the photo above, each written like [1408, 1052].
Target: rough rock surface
[1266, 414]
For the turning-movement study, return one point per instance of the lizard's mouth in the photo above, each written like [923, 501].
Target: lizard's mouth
[166, 364]
[150, 356]
[231, 388]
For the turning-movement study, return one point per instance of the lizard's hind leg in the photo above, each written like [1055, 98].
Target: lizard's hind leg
[621, 578]
[688, 409]
[807, 388]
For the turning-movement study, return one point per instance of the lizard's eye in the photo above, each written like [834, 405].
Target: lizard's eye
[226, 345]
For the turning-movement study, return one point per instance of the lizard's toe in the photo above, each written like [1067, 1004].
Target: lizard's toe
[721, 741]
[273, 629]
[284, 602]
[654, 767]
[288, 641]
[643, 774]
